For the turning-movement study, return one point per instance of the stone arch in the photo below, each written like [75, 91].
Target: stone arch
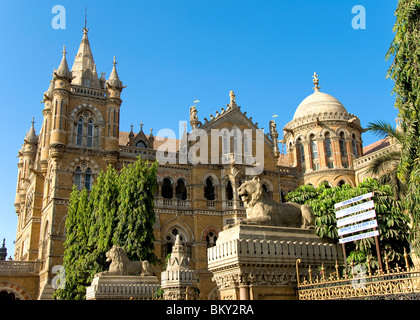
[87, 162]
[20, 292]
[207, 229]
[338, 179]
[210, 175]
[86, 106]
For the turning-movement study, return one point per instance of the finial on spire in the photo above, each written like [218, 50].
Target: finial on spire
[316, 82]
[85, 29]
[64, 52]
[141, 126]
[114, 62]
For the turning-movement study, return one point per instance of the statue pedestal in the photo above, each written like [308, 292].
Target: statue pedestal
[251, 262]
[112, 287]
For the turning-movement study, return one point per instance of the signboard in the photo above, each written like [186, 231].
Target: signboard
[355, 218]
[360, 236]
[358, 227]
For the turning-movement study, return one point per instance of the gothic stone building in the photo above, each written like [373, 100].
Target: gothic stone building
[80, 136]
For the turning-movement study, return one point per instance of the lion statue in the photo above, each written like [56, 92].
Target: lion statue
[122, 266]
[262, 210]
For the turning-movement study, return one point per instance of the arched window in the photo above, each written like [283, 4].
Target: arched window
[181, 190]
[78, 178]
[79, 136]
[341, 183]
[89, 137]
[229, 191]
[211, 239]
[167, 190]
[209, 189]
[88, 179]
[85, 132]
[328, 149]
[354, 145]
[342, 144]
[301, 153]
[141, 144]
[314, 147]
[83, 177]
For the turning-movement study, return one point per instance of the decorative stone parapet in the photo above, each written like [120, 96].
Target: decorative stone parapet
[111, 287]
[258, 262]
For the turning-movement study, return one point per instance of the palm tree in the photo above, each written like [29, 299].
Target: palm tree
[385, 166]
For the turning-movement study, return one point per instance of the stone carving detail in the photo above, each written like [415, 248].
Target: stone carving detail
[262, 210]
[122, 266]
[257, 277]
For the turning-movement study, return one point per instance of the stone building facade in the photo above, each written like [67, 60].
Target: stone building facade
[80, 136]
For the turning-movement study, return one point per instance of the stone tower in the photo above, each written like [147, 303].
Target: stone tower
[79, 138]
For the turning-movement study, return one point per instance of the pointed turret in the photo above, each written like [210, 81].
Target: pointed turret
[63, 71]
[114, 80]
[84, 68]
[31, 136]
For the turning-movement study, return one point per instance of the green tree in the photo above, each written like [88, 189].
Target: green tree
[385, 166]
[392, 224]
[136, 217]
[75, 252]
[405, 72]
[119, 210]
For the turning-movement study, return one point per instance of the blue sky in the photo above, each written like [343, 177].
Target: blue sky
[170, 53]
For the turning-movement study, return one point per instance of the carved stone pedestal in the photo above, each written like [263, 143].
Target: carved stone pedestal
[259, 262]
[112, 287]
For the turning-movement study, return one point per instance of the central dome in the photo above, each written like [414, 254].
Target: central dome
[318, 102]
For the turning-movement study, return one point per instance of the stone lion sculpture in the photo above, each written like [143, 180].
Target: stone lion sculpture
[122, 266]
[262, 210]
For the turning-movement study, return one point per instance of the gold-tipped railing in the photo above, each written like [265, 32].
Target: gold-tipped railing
[359, 283]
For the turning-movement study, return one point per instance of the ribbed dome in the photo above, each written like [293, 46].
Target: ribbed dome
[318, 102]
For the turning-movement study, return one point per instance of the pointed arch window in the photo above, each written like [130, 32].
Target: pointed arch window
[89, 136]
[354, 145]
[83, 177]
[314, 147]
[86, 131]
[181, 190]
[167, 190]
[209, 190]
[229, 191]
[342, 144]
[328, 148]
[79, 135]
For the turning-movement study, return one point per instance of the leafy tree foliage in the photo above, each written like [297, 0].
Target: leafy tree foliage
[118, 210]
[405, 72]
[392, 223]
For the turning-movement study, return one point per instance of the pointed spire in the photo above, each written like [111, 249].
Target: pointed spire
[63, 69]
[48, 94]
[84, 68]
[114, 80]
